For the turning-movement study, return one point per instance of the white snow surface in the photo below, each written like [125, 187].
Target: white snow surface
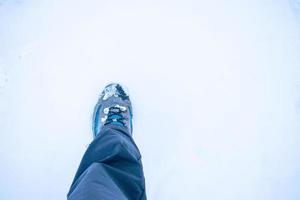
[215, 87]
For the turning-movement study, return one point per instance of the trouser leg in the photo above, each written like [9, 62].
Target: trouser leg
[111, 168]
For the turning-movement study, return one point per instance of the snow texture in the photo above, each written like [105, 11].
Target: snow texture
[215, 88]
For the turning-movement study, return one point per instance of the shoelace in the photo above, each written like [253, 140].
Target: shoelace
[114, 115]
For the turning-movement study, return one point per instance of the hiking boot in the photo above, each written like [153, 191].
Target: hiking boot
[112, 109]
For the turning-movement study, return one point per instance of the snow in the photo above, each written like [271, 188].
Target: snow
[214, 84]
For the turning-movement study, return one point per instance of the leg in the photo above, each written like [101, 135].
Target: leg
[111, 168]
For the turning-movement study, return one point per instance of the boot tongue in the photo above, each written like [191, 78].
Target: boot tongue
[114, 117]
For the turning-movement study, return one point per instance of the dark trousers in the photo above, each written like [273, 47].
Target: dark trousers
[111, 169]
